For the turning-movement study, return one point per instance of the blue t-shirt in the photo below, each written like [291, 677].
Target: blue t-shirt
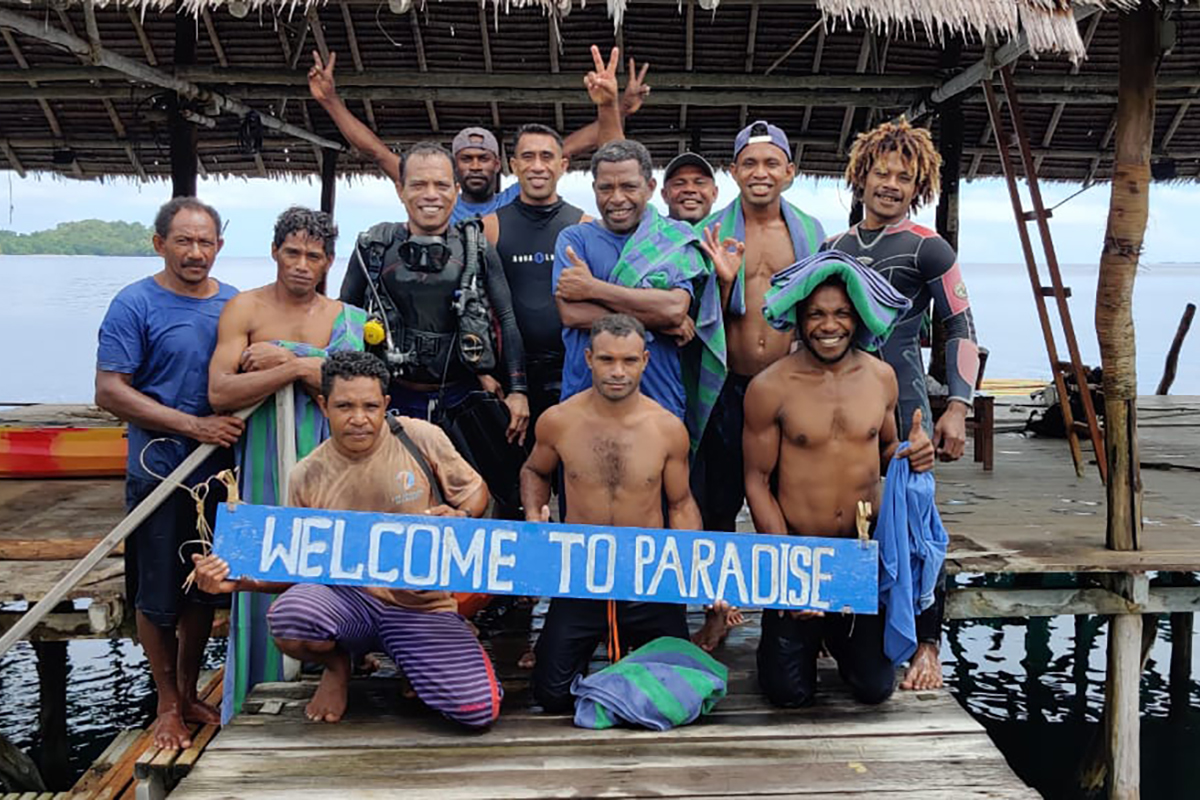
[464, 210]
[164, 340]
[600, 248]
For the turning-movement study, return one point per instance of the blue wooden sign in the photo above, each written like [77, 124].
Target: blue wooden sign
[304, 545]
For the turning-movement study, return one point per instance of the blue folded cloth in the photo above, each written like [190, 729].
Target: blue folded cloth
[663, 684]
[912, 548]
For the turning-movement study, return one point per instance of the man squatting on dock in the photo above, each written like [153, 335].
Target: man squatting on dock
[637, 295]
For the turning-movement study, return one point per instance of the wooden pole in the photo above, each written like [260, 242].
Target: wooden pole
[184, 135]
[59, 591]
[950, 145]
[1128, 210]
[1185, 325]
[328, 181]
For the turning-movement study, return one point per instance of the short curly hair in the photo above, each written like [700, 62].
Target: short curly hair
[915, 146]
[317, 224]
[350, 364]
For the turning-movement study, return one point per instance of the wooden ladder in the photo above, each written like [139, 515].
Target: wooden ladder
[1059, 369]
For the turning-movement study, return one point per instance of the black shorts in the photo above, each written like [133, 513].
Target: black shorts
[156, 560]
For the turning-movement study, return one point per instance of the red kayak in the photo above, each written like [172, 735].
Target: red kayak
[62, 452]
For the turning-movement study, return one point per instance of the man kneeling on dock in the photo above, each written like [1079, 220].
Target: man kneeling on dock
[364, 467]
[819, 424]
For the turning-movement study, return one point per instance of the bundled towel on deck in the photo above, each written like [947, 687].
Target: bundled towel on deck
[912, 547]
[806, 232]
[879, 306]
[663, 684]
[660, 253]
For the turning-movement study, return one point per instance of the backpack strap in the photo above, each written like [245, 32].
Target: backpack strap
[435, 490]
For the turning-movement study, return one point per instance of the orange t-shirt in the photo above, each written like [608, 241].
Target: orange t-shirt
[391, 481]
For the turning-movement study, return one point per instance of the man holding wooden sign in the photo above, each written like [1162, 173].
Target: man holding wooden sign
[364, 467]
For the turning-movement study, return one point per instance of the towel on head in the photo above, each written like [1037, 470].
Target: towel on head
[661, 685]
[879, 306]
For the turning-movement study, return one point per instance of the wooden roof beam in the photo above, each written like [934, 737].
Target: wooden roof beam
[751, 41]
[35, 30]
[864, 54]
[213, 39]
[487, 60]
[982, 70]
[356, 55]
[816, 68]
[47, 111]
[11, 155]
[136, 20]
[555, 45]
[688, 55]
[1177, 120]
[1056, 115]
[423, 66]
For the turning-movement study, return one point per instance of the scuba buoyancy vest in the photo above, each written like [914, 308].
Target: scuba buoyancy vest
[437, 322]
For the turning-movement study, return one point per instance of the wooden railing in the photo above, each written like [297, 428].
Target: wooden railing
[286, 458]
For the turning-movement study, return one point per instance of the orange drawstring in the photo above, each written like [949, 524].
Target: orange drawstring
[614, 636]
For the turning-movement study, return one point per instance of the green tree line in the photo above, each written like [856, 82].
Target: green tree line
[89, 237]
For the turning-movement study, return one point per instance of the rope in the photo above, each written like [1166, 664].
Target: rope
[199, 494]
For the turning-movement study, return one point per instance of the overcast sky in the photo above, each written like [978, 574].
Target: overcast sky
[988, 234]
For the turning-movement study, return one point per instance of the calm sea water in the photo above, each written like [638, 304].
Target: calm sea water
[54, 304]
[1036, 686]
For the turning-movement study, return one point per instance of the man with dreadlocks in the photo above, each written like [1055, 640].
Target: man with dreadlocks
[894, 169]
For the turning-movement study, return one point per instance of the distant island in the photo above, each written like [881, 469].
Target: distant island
[89, 237]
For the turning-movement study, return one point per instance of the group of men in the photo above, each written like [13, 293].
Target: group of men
[637, 369]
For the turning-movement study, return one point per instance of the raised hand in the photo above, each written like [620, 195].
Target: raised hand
[920, 448]
[444, 510]
[601, 82]
[635, 89]
[575, 281]
[320, 79]
[726, 256]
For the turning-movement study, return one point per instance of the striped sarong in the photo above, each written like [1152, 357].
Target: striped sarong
[251, 653]
[664, 684]
[661, 253]
[879, 306]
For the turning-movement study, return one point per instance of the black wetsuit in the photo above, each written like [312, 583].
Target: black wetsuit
[924, 268]
[526, 249]
[427, 323]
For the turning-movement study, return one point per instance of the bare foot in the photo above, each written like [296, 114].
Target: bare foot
[719, 618]
[198, 712]
[169, 731]
[528, 660]
[924, 670]
[329, 702]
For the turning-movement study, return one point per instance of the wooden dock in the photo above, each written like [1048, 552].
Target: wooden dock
[918, 744]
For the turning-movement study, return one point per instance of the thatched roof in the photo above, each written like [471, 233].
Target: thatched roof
[90, 103]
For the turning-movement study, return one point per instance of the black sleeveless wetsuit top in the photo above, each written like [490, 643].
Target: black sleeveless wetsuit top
[526, 249]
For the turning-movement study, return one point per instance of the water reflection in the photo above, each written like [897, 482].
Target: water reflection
[1037, 686]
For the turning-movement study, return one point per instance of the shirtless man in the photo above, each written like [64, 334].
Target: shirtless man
[247, 365]
[820, 422]
[622, 454]
[776, 235]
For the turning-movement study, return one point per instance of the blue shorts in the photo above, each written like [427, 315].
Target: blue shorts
[157, 561]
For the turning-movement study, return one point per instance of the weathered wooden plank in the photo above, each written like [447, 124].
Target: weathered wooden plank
[974, 603]
[620, 773]
[379, 717]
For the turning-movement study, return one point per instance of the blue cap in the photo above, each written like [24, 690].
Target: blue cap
[761, 131]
